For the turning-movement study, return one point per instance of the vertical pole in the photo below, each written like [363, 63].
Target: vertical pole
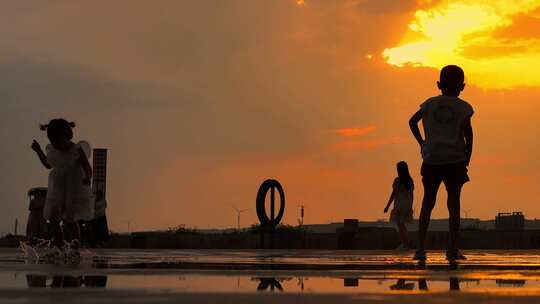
[272, 237]
[302, 216]
[272, 214]
[272, 202]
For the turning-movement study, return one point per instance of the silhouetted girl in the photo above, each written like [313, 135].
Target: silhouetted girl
[402, 196]
[68, 197]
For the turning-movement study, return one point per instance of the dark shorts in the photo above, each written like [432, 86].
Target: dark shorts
[452, 175]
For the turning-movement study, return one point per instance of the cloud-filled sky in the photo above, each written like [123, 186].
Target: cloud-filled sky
[199, 101]
[493, 40]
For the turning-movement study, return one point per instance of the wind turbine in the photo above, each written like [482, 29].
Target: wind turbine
[238, 213]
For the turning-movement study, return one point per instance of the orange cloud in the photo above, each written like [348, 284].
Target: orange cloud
[468, 33]
[367, 144]
[348, 132]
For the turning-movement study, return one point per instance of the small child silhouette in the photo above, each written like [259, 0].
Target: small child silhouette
[36, 227]
[402, 197]
[446, 152]
[68, 195]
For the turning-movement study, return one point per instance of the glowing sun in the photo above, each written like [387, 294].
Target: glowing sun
[497, 42]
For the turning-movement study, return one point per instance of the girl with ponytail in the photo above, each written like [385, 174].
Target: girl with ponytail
[402, 196]
[68, 195]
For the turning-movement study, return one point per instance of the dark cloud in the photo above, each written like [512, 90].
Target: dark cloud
[27, 85]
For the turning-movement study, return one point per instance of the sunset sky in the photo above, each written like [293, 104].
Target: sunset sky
[199, 102]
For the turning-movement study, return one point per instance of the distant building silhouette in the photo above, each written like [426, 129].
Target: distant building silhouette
[510, 221]
[350, 225]
[100, 171]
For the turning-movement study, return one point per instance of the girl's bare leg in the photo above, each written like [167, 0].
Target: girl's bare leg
[403, 234]
[58, 234]
[73, 231]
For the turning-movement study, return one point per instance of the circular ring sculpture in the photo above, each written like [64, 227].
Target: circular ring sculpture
[273, 220]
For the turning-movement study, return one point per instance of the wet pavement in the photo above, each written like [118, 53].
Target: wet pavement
[295, 259]
[169, 276]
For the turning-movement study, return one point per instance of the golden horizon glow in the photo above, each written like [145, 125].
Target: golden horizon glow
[467, 33]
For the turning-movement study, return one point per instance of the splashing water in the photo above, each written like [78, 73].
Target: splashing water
[43, 252]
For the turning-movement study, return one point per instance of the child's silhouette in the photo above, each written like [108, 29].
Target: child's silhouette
[68, 195]
[402, 196]
[36, 227]
[446, 152]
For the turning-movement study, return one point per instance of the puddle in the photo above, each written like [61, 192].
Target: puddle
[204, 283]
[214, 272]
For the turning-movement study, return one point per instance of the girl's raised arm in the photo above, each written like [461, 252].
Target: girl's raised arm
[42, 157]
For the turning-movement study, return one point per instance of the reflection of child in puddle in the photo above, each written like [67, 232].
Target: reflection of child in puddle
[60, 281]
[67, 282]
[422, 284]
[95, 281]
[36, 281]
[402, 285]
[454, 284]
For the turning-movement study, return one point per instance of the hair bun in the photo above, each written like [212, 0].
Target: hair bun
[43, 127]
[72, 124]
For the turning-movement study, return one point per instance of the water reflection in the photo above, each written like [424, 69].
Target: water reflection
[408, 284]
[65, 281]
[401, 284]
[454, 284]
[276, 284]
[36, 281]
[350, 282]
[422, 285]
[95, 281]
[510, 283]
[301, 283]
[245, 283]
[269, 284]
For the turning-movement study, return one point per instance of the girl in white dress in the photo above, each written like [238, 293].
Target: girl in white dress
[402, 196]
[69, 196]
